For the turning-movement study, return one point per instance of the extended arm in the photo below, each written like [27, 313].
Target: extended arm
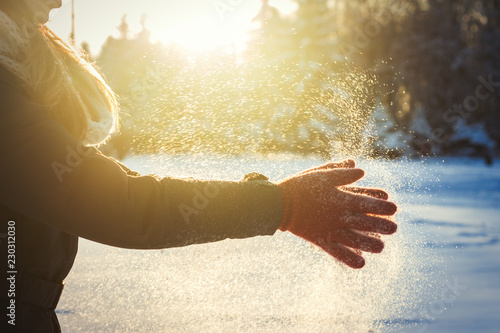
[47, 175]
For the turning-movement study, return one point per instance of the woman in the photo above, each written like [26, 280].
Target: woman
[55, 186]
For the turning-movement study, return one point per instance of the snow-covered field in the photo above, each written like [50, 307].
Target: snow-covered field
[440, 273]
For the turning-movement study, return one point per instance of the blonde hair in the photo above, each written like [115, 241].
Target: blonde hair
[58, 76]
[66, 82]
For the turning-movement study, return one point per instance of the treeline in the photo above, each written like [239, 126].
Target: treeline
[382, 78]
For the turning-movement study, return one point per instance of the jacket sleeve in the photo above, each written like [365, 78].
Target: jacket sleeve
[46, 174]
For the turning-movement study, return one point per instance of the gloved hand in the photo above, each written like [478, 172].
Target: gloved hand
[319, 207]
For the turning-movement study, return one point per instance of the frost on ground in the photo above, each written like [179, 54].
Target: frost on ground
[438, 274]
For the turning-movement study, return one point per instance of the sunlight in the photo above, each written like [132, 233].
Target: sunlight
[223, 25]
[201, 35]
[208, 29]
[195, 25]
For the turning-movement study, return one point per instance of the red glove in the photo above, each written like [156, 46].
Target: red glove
[318, 207]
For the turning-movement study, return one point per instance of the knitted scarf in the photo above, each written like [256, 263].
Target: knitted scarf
[14, 47]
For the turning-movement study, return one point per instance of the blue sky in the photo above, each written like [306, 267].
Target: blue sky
[196, 24]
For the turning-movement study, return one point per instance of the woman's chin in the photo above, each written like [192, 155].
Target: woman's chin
[41, 12]
[41, 17]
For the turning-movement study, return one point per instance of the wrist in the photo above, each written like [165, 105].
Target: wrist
[287, 207]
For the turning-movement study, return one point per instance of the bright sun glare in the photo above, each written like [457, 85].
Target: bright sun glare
[206, 30]
[196, 25]
[224, 24]
[202, 35]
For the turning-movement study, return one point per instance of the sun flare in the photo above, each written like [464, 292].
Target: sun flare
[202, 35]
[220, 25]
[195, 25]
[200, 31]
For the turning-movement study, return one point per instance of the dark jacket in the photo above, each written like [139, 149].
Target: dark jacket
[53, 190]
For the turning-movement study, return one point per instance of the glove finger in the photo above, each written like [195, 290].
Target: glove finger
[348, 164]
[372, 192]
[366, 204]
[363, 222]
[342, 253]
[358, 241]
[334, 177]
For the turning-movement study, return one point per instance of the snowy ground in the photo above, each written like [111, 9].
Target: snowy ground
[441, 273]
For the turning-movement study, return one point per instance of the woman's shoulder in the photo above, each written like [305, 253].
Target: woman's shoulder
[12, 94]
[16, 108]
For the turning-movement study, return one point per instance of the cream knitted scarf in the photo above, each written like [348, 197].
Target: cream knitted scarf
[14, 46]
